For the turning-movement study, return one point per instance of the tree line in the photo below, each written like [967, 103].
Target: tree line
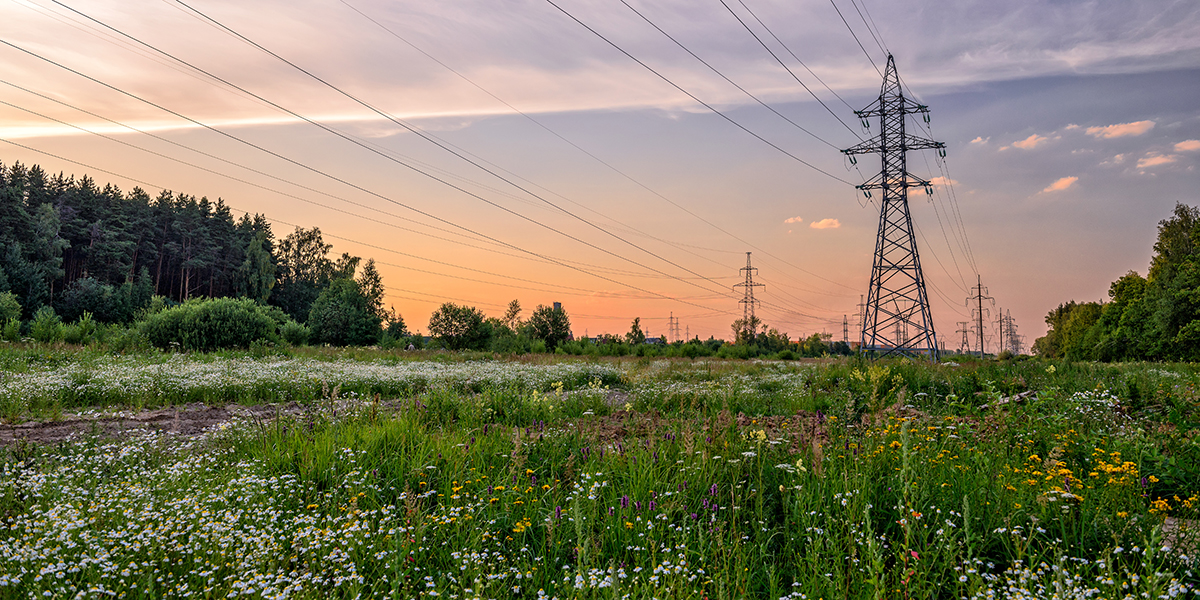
[177, 270]
[1156, 317]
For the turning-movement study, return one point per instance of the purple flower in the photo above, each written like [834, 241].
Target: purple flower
[653, 505]
[637, 506]
[695, 517]
[610, 511]
[624, 501]
[1067, 483]
[1143, 482]
[712, 491]
[558, 513]
[533, 480]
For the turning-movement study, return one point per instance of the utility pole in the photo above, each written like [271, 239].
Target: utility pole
[979, 310]
[749, 321]
[965, 345]
[896, 298]
[1000, 330]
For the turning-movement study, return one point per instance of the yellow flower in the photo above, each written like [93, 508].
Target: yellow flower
[628, 525]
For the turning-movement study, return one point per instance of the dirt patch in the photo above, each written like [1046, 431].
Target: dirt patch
[187, 420]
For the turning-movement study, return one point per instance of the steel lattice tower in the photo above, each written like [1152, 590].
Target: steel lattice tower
[749, 321]
[897, 302]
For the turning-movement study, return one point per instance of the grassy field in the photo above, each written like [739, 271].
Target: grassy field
[472, 476]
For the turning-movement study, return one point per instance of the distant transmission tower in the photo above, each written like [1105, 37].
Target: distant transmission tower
[896, 300]
[845, 329]
[979, 311]
[1012, 341]
[749, 321]
[965, 345]
[672, 328]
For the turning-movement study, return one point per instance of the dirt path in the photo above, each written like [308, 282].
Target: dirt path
[186, 420]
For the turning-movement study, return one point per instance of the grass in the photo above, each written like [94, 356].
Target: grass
[621, 478]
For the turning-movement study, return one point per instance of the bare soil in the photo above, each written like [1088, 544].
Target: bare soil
[187, 420]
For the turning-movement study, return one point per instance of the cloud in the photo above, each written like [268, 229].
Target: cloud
[980, 140]
[939, 180]
[1070, 127]
[1120, 129]
[1030, 142]
[825, 224]
[1154, 159]
[1060, 185]
[793, 220]
[1187, 146]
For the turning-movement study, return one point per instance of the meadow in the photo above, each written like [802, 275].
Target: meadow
[476, 476]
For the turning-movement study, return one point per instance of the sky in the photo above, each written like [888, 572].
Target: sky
[621, 157]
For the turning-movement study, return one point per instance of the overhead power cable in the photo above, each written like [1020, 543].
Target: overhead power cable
[789, 70]
[585, 151]
[731, 82]
[860, 44]
[797, 58]
[375, 151]
[460, 155]
[339, 179]
[695, 98]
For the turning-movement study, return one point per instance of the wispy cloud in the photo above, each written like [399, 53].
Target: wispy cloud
[793, 220]
[825, 224]
[1154, 159]
[980, 140]
[1060, 185]
[1187, 146]
[1120, 129]
[940, 180]
[1029, 143]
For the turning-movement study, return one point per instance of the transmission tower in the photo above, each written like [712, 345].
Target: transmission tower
[1012, 341]
[896, 298]
[845, 329]
[749, 321]
[672, 328]
[965, 345]
[978, 311]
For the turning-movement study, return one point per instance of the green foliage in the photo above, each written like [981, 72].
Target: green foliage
[257, 271]
[210, 324]
[47, 327]
[294, 333]
[82, 331]
[635, 335]
[1155, 318]
[459, 327]
[10, 308]
[342, 315]
[12, 330]
[551, 325]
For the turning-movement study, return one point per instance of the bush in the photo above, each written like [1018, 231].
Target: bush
[46, 327]
[12, 330]
[342, 316]
[82, 331]
[460, 327]
[552, 325]
[294, 333]
[10, 308]
[211, 324]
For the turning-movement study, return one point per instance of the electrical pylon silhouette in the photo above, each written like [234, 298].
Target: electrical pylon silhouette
[965, 345]
[978, 312]
[749, 321]
[896, 299]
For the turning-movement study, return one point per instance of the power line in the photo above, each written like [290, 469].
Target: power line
[860, 44]
[585, 151]
[695, 98]
[393, 159]
[731, 82]
[785, 68]
[341, 180]
[785, 47]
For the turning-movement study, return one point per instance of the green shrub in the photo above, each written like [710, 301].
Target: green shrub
[12, 330]
[206, 325]
[82, 331]
[294, 333]
[10, 308]
[47, 327]
[342, 316]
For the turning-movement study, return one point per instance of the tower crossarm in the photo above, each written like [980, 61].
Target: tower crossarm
[910, 181]
[908, 142]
